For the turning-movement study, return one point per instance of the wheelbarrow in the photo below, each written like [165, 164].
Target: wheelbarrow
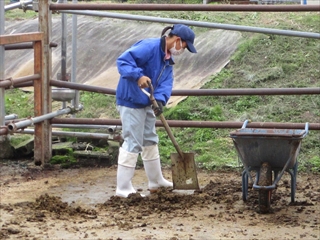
[267, 151]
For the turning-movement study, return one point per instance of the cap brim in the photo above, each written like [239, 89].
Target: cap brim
[191, 48]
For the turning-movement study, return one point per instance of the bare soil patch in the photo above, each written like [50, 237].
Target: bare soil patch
[54, 203]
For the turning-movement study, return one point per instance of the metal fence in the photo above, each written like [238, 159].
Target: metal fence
[43, 93]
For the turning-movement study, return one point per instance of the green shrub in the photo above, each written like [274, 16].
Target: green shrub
[65, 161]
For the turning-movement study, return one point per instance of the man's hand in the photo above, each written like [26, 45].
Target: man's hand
[144, 82]
[158, 110]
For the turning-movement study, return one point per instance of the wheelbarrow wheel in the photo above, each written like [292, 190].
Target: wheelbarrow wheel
[265, 179]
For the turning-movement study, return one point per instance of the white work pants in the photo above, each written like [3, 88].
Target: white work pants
[138, 128]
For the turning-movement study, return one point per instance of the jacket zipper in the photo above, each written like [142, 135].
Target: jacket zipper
[165, 65]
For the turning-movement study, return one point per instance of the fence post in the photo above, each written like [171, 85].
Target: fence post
[6, 151]
[42, 91]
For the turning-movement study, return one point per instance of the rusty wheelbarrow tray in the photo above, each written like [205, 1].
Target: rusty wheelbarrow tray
[267, 151]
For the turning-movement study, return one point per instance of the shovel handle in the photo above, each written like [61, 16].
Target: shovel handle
[173, 140]
[163, 120]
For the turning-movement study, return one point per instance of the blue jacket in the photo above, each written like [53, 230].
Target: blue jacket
[144, 58]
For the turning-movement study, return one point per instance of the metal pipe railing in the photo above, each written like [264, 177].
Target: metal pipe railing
[64, 32]
[8, 83]
[13, 127]
[198, 92]
[21, 85]
[74, 53]
[22, 4]
[18, 46]
[79, 86]
[3, 131]
[11, 117]
[198, 24]
[14, 120]
[194, 124]
[187, 7]
[2, 74]
[110, 129]
[247, 91]
[76, 134]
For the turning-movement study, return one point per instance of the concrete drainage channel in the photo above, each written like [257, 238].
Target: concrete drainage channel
[83, 152]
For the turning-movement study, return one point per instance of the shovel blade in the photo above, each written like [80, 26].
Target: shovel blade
[184, 173]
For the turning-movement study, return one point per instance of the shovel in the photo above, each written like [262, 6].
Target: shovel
[184, 174]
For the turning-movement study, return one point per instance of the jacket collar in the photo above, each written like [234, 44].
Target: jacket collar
[163, 47]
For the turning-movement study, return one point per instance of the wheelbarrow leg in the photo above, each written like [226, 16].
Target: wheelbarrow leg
[245, 179]
[293, 180]
[276, 171]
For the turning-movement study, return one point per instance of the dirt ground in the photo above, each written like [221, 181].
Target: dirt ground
[55, 203]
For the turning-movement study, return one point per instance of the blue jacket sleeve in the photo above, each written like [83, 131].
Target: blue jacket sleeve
[128, 62]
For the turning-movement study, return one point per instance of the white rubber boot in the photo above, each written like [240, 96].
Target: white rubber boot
[126, 167]
[124, 184]
[151, 160]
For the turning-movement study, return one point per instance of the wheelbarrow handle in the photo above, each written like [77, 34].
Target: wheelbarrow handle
[306, 128]
[244, 125]
[163, 120]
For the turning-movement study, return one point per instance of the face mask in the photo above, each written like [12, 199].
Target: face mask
[176, 52]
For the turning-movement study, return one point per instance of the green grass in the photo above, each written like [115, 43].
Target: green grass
[19, 14]
[103, 105]
[17, 101]
[260, 61]
[15, 140]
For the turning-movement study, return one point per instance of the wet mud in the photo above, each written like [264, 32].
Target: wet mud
[80, 204]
